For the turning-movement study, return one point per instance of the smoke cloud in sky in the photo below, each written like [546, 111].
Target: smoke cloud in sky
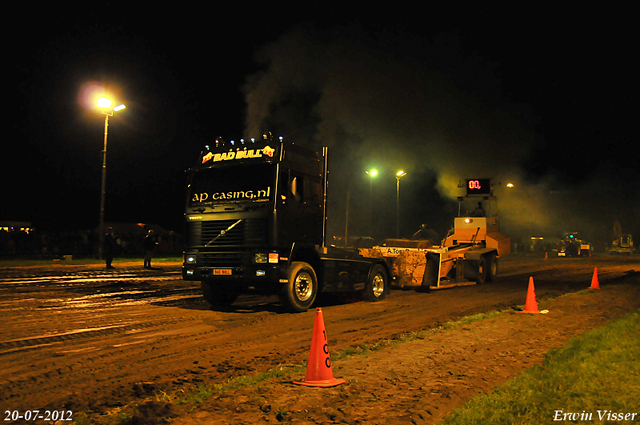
[417, 102]
[403, 102]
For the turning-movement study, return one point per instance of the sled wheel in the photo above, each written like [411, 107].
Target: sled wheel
[492, 267]
[482, 270]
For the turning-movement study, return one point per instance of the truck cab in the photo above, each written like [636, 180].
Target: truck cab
[255, 220]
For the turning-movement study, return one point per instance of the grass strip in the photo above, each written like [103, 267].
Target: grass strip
[592, 379]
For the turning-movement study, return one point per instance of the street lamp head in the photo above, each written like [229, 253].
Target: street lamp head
[104, 103]
[510, 185]
[401, 173]
[372, 173]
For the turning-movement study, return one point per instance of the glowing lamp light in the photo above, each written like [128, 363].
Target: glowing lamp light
[373, 172]
[401, 173]
[510, 185]
[104, 103]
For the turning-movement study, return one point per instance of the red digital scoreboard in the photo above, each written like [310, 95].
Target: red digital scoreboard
[478, 186]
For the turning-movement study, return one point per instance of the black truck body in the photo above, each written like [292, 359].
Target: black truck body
[255, 221]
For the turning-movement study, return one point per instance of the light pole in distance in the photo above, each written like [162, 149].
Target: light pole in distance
[400, 174]
[372, 174]
[105, 105]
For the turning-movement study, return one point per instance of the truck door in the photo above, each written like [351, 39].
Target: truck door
[301, 208]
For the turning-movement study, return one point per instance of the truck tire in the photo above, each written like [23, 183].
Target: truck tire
[218, 295]
[377, 284]
[482, 270]
[300, 292]
[492, 267]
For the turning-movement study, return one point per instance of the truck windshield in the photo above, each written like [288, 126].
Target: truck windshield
[226, 185]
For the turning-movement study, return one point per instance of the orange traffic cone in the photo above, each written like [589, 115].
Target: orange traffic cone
[594, 280]
[546, 255]
[319, 373]
[531, 305]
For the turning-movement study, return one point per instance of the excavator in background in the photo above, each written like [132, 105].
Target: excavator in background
[622, 242]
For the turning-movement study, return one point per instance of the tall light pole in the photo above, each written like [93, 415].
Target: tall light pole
[400, 174]
[346, 220]
[372, 174]
[105, 105]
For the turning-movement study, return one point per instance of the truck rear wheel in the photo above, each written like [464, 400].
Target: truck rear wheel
[218, 295]
[301, 290]
[377, 284]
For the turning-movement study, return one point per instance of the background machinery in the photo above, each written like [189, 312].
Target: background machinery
[622, 242]
[572, 246]
[469, 254]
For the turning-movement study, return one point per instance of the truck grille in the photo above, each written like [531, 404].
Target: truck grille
[220, 259]
[227, 249]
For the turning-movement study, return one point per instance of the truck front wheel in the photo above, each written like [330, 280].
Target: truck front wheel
[301, 290]
[377, 284]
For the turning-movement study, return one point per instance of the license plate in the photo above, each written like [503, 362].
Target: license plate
[222, 272]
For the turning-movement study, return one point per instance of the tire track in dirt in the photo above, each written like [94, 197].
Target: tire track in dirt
[420, 382]
[162, 342]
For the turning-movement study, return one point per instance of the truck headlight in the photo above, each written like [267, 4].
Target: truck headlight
[190, 258]
[260, 258]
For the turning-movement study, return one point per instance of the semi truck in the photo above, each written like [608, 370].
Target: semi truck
[467, 255]
[255, 220]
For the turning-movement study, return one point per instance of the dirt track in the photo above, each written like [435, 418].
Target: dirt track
[86, 340]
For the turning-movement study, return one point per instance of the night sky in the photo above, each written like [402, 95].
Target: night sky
[543, 98]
